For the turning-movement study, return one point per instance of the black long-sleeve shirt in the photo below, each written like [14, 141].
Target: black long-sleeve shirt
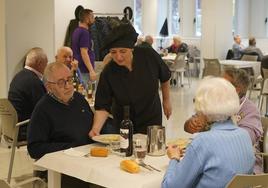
[55, 126]
[137, 88]
[26, 89]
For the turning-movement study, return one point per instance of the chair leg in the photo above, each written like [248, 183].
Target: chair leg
[181, 78]
[260, 103]
[266, 106]
[14, 144]
[250, 90]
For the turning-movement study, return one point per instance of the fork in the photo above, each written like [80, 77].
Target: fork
[149, 167]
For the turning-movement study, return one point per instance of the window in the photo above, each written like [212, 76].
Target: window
[198, 17]
[138, 16]
[174, 17]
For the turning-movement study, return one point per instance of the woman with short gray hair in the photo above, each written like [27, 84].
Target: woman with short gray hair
[216, 155]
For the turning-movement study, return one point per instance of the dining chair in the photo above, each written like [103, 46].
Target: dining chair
[179, 67]
[10, 129]
[264, 91]
[41, 183]
[246, 57]
[212, 67]
[264, 143]
[247, 181]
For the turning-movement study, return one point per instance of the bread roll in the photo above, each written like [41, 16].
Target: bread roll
[99, 152]
[130, 166]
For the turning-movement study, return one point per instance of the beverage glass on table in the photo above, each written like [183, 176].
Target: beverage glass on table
[114, 145]
[140, 150]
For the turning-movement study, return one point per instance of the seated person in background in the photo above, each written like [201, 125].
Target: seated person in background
[148, 42]
[107, 59]
[177, 46]
[237, 47]
[215, 156]
[62, 118]
[248, 117]
[139, 40]
[26, 88]
[264, 64]
[65, 56]
[252, 49]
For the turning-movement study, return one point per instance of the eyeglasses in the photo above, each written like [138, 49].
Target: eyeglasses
[62, 83]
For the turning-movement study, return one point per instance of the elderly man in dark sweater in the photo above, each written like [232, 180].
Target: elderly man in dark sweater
[62, 118]
[27, 87]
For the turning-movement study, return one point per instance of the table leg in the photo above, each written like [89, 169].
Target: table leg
[54, 179]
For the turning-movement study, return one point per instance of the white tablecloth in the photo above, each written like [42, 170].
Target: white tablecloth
[255, 65]
[169, 57]
[102, 171]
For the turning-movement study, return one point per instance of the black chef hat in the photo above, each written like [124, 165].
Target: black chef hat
[122, 36]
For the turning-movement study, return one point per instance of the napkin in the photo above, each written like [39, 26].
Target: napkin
[73, 152]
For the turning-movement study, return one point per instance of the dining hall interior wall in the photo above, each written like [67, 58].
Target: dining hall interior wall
[28, 23]
[3, 72]
[31, 23]
[258, 14]
[64, 12]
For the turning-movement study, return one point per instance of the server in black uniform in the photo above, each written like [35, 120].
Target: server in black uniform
[131, 78]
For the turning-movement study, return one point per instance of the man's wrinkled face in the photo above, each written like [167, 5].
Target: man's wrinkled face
[60, 84]
[65, 57]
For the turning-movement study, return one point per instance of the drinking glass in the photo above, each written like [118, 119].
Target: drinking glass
[140, 151]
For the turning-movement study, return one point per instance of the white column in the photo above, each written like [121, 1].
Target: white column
[149, 17]
[242, 18]
[3, 68]
[216, 36]
[187, 8]
[258, 12]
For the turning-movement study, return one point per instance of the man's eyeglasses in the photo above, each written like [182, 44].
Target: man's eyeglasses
[61, 83]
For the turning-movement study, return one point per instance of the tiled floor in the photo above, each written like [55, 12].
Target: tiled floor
[182, 104]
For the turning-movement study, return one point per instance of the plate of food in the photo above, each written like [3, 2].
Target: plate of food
[181, 142]
[106, 138]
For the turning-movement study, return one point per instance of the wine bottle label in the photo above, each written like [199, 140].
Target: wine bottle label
[124, 141]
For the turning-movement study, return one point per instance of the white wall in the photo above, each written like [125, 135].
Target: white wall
[216, 28]
[242, 14]
[64, 12]
[29, 23]
[150, 17]
[3, 68]
[187, 8]
[257, 16]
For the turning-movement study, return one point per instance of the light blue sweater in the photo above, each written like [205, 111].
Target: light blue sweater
[212, 159]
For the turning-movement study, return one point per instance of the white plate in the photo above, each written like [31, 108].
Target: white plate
[106, 138]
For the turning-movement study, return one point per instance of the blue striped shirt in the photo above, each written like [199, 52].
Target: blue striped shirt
[212, 159]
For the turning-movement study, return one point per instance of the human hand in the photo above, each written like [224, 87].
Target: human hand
[196, 123]
[74, 64]
[93, 133]
[92, 75]
[173, 152]
[167, 108]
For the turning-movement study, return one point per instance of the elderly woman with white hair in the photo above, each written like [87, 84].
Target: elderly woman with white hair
[177, 46]
[216, 155]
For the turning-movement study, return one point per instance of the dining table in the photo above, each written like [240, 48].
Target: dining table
[103, 171]
[240, 64]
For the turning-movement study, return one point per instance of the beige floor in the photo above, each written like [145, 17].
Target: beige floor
[182, 104]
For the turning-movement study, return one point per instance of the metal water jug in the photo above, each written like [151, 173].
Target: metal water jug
[156, 140]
